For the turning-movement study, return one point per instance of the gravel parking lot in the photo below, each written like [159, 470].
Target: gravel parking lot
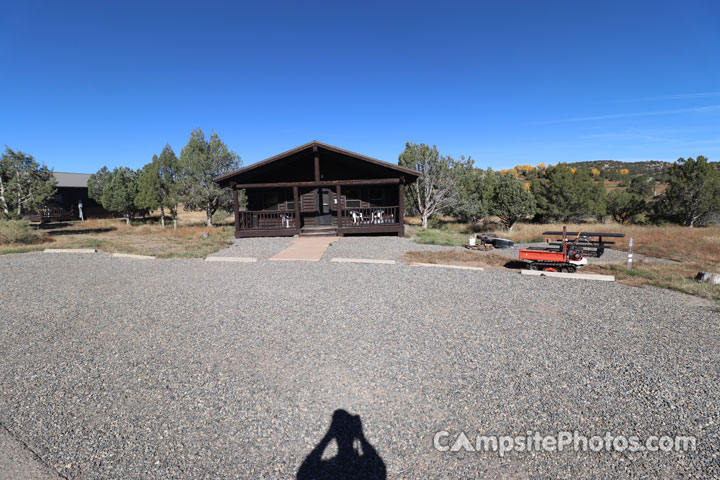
[116, 368]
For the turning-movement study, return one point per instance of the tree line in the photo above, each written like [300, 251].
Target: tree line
[446, 186]
[169, 182]
[455, 187]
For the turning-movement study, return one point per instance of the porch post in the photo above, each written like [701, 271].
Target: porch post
[401, 209]
[297, 207]
[236, 208]
[338, 192]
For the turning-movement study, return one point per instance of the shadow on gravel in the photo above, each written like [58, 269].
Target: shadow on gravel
[355, 459]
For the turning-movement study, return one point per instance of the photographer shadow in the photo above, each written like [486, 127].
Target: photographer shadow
[355, 459]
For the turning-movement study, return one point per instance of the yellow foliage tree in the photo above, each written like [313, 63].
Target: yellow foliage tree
[573, 170]
[595, 172]
[511, 171]
[624, 171]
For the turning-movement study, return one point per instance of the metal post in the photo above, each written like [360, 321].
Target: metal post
[630, 254]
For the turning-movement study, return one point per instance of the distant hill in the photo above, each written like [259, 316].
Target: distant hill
[651, 168]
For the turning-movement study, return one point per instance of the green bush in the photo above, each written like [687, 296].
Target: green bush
[18, 231]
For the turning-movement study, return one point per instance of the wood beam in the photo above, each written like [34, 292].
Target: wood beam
[317, 163]
[324, 183]
[401, 209]
[338, 192]
[236, 208]
[297, 206]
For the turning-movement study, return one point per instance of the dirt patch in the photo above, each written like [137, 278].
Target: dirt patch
[463, 258]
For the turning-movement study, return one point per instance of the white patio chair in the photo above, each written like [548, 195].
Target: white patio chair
[356, 216]
[377, 216]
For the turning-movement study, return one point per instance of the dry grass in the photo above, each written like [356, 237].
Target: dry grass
[114, 235]
[465, 258]
[683, 244]
[693, 249]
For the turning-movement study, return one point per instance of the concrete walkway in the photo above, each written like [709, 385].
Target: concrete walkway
[18, 462]
[310, 249]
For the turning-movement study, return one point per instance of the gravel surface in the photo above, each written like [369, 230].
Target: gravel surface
[262, 247]
[113, 368]
[381, 248]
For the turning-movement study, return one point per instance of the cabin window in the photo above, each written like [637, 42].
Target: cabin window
[352, 198]
[270, 201]
[289, 205]
[376, 196]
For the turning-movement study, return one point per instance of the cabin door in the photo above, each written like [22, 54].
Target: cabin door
[324, 215]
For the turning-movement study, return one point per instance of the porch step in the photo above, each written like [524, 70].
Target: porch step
[319, 231]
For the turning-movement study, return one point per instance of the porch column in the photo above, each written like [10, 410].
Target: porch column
[236, 208]
[338, 192]
[401, 209]
[297, 207]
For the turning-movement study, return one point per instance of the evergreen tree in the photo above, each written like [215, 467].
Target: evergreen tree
[624, 205]
[564, 192]
[693, 191]
[202, 160]
[119, 189]
[97, 183]
[467, 202]
[149, 195]
[169, 171]
[25, 185]
[508, 199]
[641, 185]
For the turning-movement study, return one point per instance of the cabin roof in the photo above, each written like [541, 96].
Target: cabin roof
[222, 179]
[73, 180]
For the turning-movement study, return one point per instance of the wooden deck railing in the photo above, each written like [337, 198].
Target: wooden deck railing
[51, 212]
[363, 217]
[267, 220]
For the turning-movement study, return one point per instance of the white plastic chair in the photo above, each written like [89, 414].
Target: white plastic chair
[377, 216]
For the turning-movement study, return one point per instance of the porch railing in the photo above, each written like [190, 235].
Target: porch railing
[363, 217]
[267, 220]
[51, 212]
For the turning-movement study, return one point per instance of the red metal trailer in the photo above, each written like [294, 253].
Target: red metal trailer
[570, 254]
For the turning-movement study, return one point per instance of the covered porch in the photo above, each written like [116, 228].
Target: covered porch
[328, 207]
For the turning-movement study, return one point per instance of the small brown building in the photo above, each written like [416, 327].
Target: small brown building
[318, 188]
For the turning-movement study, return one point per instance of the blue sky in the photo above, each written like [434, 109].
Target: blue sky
[110, 83]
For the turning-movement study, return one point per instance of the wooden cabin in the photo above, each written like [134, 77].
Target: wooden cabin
[319, 189]
[70, 196]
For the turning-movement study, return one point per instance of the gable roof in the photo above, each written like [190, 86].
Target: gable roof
[75, 180]
[405, 171]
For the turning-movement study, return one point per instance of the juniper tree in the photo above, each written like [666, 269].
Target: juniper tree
[116, 190]
[693, 191]
[25, 185]
[202, 160]
[149, 195]
[508, 199]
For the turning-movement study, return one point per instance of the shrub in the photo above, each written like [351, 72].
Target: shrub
[18, 231]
